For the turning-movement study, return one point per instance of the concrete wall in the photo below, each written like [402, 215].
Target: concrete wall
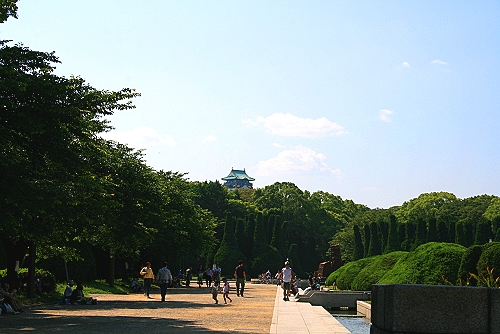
[329, 299]
[421, 309]
[364, 309]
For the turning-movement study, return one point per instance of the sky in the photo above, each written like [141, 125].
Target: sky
[373, 101]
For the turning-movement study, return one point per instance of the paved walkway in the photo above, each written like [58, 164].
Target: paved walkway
[297, 317]
[189, 310]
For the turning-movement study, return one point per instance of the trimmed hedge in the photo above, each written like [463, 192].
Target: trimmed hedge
[376, 269]
[428, 264]
[344, 276]
[490, 258]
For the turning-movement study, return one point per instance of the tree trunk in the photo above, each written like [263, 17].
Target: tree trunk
[112, 271]
[31, 270]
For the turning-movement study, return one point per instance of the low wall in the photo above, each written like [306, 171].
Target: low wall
[365, 309]
[422, 309]
[333, 299]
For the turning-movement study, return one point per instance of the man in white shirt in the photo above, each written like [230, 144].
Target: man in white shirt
[164, 278]
[286, 276]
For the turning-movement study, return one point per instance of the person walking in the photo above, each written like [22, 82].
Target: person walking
[225, 291]
[164, 278]
[215, 291]
[241, 277]
[287, 275]
[148, 275]
[189, 275]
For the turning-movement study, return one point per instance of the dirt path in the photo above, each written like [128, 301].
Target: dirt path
[185, 311]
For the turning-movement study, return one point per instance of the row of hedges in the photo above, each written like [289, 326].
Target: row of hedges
[431, 263]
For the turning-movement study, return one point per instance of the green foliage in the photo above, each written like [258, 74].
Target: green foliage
[375, 242]
[48, 279]
[493, 210]
[264, 255]
[460, 234]
[228, 254]
[393, 243]
[379, 265]
[347, 273]
[358, 244]
[366, 233]
[490, 258]
[426, 265]
[277, 238]
[425, 206]
[8, 8]
[295, 262]
[432, 233]
[468, 264]
[421, 236]
[483, 232]
[487, 279]
[80, 268]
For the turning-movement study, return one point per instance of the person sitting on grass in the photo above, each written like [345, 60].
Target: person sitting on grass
[68, 291]
[135, 286]
[9, 297]
[77, 296]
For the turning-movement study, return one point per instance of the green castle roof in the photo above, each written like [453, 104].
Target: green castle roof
[237, 174]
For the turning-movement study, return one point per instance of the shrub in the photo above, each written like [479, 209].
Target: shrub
[428, 264]
[468, 264]
[48, 279]
[375, 270]
[490, 258]
[347, 273]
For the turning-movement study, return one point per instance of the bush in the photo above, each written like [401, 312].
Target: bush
[428, 264]
[375, 270]
[48, 279]
[344, 276]
[490, 258]
[468, 264]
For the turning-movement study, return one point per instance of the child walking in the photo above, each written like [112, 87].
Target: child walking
[225, 291]
[215, 291]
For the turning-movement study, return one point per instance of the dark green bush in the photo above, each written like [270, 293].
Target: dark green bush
[428, 264]
[48, 279]
[468, 264]
[490, 258]
[346, 274]
[375, 270]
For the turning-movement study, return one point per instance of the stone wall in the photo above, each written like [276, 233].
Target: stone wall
[364, 309]
[422, 309]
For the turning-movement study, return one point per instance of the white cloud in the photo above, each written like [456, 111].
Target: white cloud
[300, 159]
[384, 115]
[288, 125]
[210, 139]
[278, 145]
[249, 122]
[140, 137]
[438, 62]
[406, 64]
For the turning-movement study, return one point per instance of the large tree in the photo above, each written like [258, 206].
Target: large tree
[49, 127]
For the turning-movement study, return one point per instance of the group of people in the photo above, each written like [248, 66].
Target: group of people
[76, 296]
[163, 278]
[240, 275]
[8, 300]
[211, 274]
[213, 280]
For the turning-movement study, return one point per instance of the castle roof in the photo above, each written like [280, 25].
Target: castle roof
[238, 174]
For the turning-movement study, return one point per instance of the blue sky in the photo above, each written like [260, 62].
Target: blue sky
[374, 101]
